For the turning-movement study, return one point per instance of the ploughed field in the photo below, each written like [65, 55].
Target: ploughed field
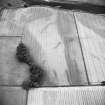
[67, 45]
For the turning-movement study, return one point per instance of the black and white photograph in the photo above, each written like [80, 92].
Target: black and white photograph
[52, 52]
